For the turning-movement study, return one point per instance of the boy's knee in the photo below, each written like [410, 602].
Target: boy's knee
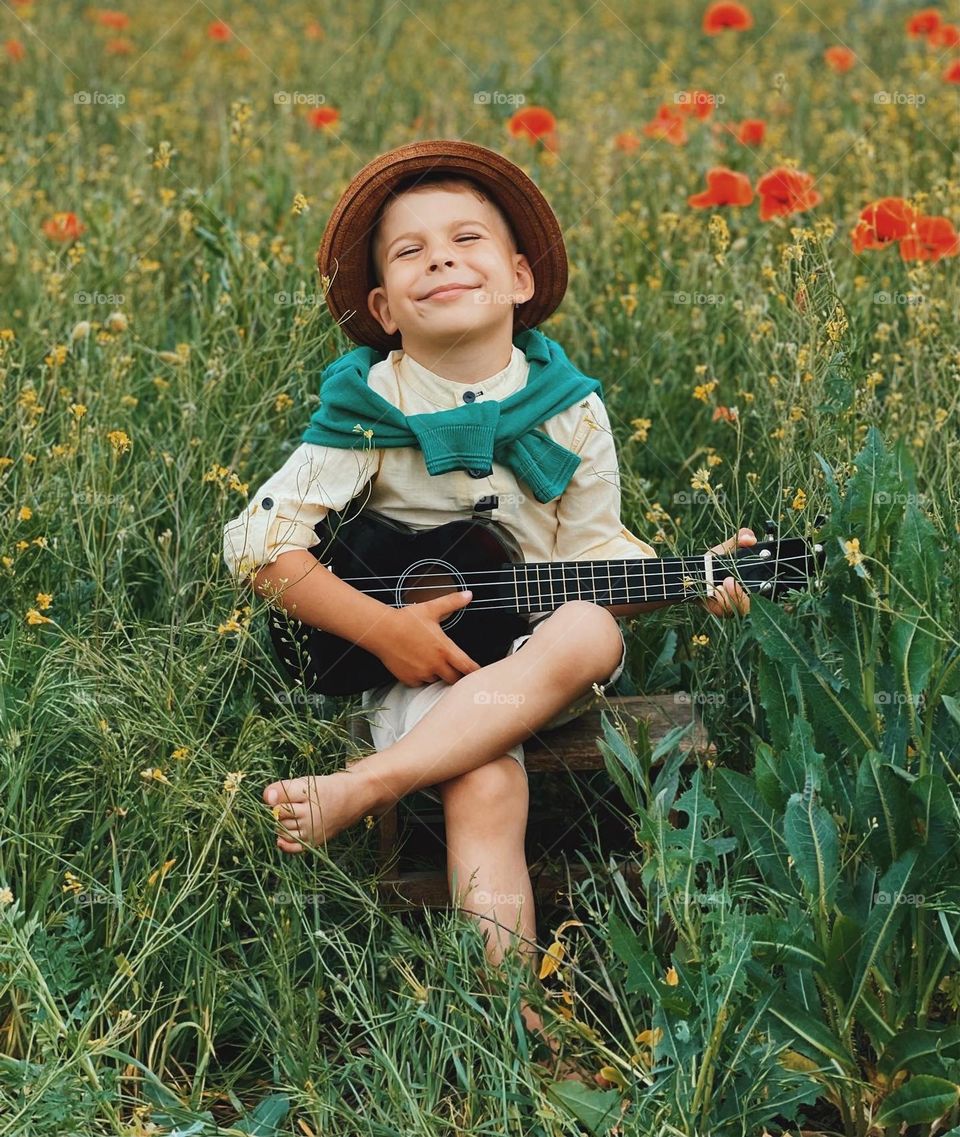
[489, 790]
[584, 631]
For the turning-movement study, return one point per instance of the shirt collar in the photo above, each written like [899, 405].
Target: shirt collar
[448, 393]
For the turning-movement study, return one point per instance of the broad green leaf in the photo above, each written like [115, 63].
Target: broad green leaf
[598, 1110]
[842, 953]
[882, 810]
[873, 497]
[755, 825]
[914, 648]
[265, 1119]
[917, 558]
[920, 1100]
[920, 1051]
[811, 1030]
[775, 689]
[781, 638]
[811, 836]
[643, 967]
[885, 917]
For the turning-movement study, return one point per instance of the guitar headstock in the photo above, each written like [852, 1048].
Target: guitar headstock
[774, 566]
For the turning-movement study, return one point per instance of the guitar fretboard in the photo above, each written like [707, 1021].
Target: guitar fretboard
[545, 586]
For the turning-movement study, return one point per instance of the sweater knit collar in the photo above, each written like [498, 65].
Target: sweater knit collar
[469, 437]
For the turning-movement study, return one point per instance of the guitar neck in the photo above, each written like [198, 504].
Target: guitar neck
[545, 586]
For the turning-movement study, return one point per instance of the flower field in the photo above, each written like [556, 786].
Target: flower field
[761, 207]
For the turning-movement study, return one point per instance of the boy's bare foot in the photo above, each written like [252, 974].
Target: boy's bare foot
[313, 810]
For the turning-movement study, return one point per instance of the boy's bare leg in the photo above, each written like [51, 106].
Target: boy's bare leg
[476, 720]
[485, 820]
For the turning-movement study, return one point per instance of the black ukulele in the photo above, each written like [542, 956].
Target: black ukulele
[399, 566]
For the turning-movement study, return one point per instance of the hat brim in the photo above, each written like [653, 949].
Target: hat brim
[344, 253]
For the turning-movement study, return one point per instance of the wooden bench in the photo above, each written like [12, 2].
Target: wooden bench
[571, 748]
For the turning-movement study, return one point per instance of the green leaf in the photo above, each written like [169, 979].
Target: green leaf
[885, 917]
[812, 1030]
[755, 824]
[643, 968]
[917, 559]
[598, 1110]
[914, 647]
[922, 1099]
[842, 953]
[920, 1051]
[872, 500]
[880, 798]
[775, 685]
[781, 638]
[811, 836]
[266, 1117]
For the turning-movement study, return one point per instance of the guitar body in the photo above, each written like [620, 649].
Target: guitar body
[387, 559]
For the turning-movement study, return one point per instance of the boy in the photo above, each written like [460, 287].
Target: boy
[445, 256]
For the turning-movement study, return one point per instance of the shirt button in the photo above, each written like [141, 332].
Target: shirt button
[267, 503]
[468, 396]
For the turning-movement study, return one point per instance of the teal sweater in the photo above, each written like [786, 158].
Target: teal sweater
[468, 437]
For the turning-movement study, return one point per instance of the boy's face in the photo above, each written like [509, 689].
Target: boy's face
[443, 239]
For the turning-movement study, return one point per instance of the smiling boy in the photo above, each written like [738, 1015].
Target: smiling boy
[443, 256]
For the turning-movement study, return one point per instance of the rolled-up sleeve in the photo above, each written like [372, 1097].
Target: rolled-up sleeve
[281, 515]
[588, 512]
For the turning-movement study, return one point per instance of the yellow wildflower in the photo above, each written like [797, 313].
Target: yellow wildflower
[671, 978]
[44, 600]
[119, 440]
[852, 551]
[300, 204]
[641, 429]
[231, 783]
[24, 513]
[34, 617]
[78, 410]
[799, 501]
[154, 774]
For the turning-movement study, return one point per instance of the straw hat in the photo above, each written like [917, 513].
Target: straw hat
[344, 253]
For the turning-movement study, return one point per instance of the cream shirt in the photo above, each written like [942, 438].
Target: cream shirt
[582, 524]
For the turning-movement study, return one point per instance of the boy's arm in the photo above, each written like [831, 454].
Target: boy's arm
[308, 591]
[588, 512]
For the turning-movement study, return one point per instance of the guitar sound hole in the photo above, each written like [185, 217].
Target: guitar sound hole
[427, 583]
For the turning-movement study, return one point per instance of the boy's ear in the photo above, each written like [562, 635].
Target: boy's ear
[380, 310]
[526, 284]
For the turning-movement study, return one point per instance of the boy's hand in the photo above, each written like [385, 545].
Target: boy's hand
[730, 598]
[417, 650]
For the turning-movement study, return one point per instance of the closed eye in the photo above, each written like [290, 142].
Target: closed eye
[465, 237]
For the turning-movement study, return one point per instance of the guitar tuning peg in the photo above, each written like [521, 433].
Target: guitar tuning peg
[770, 528]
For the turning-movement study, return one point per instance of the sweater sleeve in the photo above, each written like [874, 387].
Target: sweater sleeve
[281, 515]
[588, 512]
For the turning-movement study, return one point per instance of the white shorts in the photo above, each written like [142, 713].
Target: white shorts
[393, 709]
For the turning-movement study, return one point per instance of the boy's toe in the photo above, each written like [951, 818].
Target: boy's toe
[288, 845]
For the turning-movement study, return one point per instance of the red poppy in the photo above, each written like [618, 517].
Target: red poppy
[784, 191]
[750, 132]
[946, 35]
[668, 125]
[724, 187]
[110, 18]
[534, 123]
[118, 46]
[14, 49]
[839, 58]
[952, 73]
[883, 222]
[700, 104]
[627, 141]
[219, 31]
[726, 15]
[64, 227]
[923, 23]
[930, 239]
[728, 414]
[321, 117]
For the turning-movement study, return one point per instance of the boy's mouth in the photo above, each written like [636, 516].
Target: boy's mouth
[445, 290]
